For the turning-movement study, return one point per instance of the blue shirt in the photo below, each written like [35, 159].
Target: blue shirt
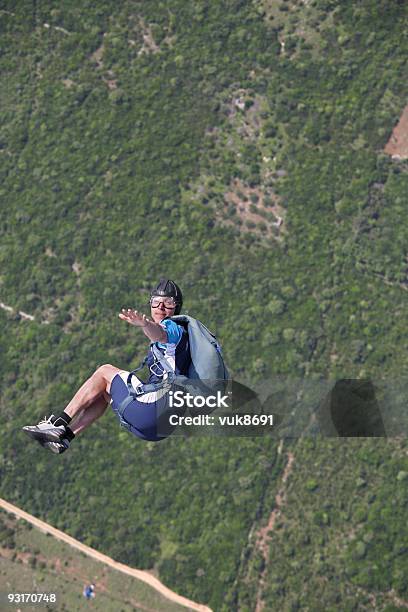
[174, 333]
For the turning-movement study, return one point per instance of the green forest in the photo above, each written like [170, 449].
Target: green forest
[236, 147]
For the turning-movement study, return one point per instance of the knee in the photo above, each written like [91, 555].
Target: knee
[105, 370]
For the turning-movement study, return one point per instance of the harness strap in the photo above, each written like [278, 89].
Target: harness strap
[160, 358]
[147, 388]
[121, 409]
[144, 388]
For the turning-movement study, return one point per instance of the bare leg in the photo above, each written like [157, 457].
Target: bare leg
[88, 416]
[92, 390]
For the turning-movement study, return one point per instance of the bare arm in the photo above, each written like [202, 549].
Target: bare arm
[154, 331]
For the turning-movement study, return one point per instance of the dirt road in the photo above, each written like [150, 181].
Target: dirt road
[91, 552]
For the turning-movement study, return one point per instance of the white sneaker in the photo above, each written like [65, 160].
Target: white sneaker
[46, 431]
[56, 447]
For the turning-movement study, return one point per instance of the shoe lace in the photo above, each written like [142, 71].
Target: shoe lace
[47, 420]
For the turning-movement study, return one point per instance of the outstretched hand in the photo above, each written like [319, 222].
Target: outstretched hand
[134, 317]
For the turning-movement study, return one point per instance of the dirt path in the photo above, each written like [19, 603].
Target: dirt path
[22, 314]
[91, 552]
[364, 265]
[264, 534]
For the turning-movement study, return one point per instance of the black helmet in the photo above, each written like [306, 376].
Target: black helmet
[168, 288]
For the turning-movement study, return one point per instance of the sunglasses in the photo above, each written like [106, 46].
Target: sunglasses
[167, 301]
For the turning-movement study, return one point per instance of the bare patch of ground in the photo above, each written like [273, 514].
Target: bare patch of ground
[48, 315]
[97, 58]
[98, 55]
[397, 146]
[247, 114]
[9, 553]
[6, 308]
[246, 109]
[58, 28]
[111, 83]
[402, 603]
[26, 316]
[250, 204]
[149, 44]
[297, 21]
[68, 83]
[256, 210]
[76, 266]
[20, 313]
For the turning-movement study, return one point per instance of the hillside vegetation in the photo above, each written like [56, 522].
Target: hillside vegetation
[237, 147]
[32, 559]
